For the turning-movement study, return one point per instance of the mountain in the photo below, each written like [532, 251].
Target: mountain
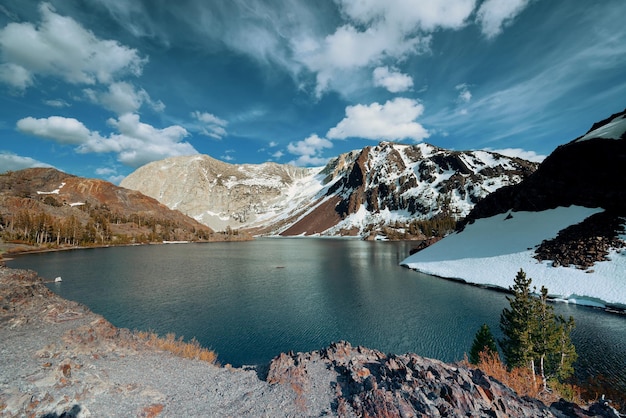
[45, 206]
[362, 193]
[564, 225]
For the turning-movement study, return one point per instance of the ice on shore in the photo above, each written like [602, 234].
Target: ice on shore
[492, 250]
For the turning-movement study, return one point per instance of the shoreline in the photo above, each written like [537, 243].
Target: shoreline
[62, 359]
[608, 308]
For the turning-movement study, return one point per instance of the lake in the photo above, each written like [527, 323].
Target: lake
[249, 301]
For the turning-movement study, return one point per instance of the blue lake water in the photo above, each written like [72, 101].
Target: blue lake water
[250, 301]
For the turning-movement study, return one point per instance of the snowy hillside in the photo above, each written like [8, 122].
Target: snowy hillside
[570, 213]
[392, 184]
[492, 250]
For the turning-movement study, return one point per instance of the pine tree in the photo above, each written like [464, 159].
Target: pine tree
[483, 341]
[517, 325]
[545, 335]
[534, 336]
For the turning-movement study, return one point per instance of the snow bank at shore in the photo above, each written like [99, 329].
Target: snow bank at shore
[492, 250]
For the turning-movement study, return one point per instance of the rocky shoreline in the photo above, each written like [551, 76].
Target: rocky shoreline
[59, 359]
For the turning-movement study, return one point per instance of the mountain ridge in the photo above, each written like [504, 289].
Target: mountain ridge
[45, 206]
[359, 193]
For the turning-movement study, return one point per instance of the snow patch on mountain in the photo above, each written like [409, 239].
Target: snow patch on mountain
[615, 129]
[492, 250]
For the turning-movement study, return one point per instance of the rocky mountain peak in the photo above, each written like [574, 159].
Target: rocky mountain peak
[376, 185]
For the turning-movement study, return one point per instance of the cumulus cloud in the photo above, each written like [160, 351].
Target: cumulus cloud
[392, 80]
[15, 76]
[350, 49]
[309, 150]
[135, 143]
[61, 47]
[494, 15]
[375, 30]
[393, 120]
[122, 97]
[212, 126]
[68, 131]
[519, 153]
[13, 162]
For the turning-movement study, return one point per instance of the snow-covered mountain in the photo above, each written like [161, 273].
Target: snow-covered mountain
[356, 193]
[564, 225]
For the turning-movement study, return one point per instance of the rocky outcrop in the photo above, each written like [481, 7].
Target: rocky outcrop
[584, 244]
[368, 383]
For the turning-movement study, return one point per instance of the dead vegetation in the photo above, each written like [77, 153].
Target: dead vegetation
[186, 349]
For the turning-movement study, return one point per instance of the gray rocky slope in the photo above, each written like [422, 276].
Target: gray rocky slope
[379, 185]
[58, 359]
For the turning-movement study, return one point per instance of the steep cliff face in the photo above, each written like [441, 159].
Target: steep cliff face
[392, 183]
[354, 194]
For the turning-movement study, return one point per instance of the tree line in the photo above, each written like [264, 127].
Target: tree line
[95, 226]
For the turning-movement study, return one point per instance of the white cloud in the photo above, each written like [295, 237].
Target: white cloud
[408, 15]
[309, 150]
[135, 143]
[122, 97]
[56, 103]
[391, 121]
[278, 154]
[212, 126]
[494, 15]
[60, 129]
[465, 95]
[349, 49]
[61, 47]
[376, 30]
[12, 162]
[15, 76]
[392, 80]
[110, 174]
[519, 153]
[273, 144]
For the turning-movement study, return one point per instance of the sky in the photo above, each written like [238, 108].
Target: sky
[97, 88]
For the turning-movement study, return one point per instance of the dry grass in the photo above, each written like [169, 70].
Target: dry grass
[524, 383]
[187, 349]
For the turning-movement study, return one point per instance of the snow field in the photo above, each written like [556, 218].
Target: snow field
[491, 251]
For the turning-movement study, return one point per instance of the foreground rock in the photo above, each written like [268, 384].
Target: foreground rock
[60, 359]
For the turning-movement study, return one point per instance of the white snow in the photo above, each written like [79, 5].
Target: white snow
[55, 191]
[612, 130]
[492, 250]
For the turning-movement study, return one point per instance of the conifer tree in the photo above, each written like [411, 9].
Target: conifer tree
[518, 323]
[534, 336]
[483, 341]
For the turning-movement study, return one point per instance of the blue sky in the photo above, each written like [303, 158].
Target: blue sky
[98, 88]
